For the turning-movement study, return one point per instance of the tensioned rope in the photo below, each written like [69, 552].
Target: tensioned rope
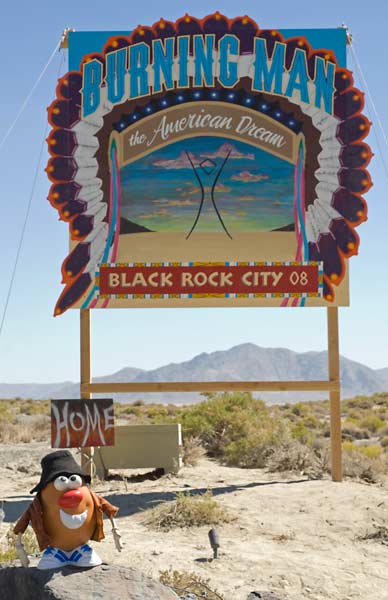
[31, 196]
[28, 97]
[369, 100]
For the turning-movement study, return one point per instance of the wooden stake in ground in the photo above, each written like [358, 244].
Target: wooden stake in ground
[335, 398]
[86, 377]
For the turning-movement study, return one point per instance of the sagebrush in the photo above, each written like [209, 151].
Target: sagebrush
[239, 430]
[183, 584]
[187, 511]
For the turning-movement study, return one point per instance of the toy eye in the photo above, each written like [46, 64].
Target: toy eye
[61, 483]
[75, 482]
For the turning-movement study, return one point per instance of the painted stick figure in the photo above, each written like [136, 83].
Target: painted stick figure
[208, 166]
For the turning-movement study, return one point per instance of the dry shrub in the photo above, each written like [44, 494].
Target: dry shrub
[223, 419]
[383, 431]
[367, 463]
[4, 431]
[8, 550]
[360, 402]
[372, 423]
[254, 450]
[242, 431]
[5, 411]
[24, 421]
[36, 429]
[361, 463]
[33, 407]
[193, 451]
[142, 413]
[187, 511]
[139, 402]
[283, 537]
[235, 428]
[183, 584]
[372, 450]
[292, 456]
[380, 534]
[351, 431]
[302, 433]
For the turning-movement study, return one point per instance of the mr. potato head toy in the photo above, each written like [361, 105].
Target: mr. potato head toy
[65, 514]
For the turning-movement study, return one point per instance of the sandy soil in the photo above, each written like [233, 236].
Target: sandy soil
[295, 537]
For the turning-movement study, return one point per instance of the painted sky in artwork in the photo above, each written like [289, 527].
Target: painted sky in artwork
[253, 191]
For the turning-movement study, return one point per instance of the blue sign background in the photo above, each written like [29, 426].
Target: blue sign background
[87, 42]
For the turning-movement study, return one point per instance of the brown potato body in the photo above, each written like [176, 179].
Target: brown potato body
[60, 535]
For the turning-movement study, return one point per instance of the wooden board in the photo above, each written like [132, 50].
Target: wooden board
[82, 423]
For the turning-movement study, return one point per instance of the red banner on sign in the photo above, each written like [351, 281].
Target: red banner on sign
[209, 279]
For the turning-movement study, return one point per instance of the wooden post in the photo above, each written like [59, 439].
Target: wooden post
[85, 367]
[333, 385]
[335, 395]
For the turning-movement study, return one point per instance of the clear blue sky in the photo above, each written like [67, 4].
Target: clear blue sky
[35, 346]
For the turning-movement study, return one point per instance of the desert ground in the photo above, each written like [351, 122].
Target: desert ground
[295, 537]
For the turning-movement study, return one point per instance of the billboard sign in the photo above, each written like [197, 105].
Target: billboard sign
[208, 163]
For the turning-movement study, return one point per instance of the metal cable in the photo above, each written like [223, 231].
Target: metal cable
[27, 214]
[23, 106]
[371, 101]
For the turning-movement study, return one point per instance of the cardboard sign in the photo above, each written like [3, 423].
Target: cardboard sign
[207, 142]
[82, 423]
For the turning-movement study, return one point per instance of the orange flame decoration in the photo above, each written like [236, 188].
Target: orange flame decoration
[354, 180]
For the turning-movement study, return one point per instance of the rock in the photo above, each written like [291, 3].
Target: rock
[108, 582]
[262, 596]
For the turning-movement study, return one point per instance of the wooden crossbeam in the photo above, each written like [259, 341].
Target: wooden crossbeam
[209, 386]
[332, 385]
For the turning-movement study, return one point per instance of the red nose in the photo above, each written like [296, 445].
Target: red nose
[70, 499]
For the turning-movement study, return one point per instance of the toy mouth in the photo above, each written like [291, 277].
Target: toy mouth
[72, 521]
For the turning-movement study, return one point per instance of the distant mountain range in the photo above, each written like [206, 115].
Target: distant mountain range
[243, 362]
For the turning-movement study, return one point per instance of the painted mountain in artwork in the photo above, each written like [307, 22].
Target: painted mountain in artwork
[127, 226]
[211, 182]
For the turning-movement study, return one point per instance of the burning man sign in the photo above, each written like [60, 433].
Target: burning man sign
[208, 163]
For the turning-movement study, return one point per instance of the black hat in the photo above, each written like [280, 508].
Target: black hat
[57, 463]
